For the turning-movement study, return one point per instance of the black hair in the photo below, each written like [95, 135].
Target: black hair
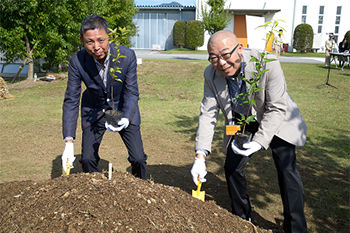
[94, 22]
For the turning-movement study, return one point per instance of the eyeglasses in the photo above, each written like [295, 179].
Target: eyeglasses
[225, 57]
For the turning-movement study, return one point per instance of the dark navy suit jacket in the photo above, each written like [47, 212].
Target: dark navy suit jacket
[96, 98]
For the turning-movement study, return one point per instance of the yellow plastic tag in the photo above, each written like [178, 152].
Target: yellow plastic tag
[232, 129]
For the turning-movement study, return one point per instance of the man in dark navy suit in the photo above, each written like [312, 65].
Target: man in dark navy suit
[91, 66]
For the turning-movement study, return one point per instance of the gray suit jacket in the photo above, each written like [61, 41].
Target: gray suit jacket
[275, 110]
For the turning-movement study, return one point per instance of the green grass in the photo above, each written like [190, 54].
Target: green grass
[185, 50]
[298, 54]
[289, 54]
[170, 95]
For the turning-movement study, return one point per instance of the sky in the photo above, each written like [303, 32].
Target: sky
[158, 2]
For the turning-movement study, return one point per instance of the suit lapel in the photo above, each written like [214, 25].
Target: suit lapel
[223, 95]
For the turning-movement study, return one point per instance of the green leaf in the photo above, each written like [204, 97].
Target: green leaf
[258, 89]
[250, 119]
[269, 59]
[262, 72]
[253, 101]
[253, 59]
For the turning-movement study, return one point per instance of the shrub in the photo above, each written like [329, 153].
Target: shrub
[347, 36]
[179, 33]
[303, 38]
[194, 34]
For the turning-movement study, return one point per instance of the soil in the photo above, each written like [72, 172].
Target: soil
[92, 203]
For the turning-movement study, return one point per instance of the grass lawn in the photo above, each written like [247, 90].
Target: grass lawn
[185, 50]
[289, 54]
[170, 95]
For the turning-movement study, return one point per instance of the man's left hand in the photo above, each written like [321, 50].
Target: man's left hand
[123, 124]
[251, 147]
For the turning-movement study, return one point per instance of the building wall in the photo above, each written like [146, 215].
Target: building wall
[329, 23]
[155, 27]
[291, 11]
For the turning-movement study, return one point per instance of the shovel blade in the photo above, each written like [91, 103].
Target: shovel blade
[200, 196]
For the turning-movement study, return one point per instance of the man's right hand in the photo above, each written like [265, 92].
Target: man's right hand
[68, 153]
[198, 170]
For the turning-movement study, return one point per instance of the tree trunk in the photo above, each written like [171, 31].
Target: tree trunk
[30, 60]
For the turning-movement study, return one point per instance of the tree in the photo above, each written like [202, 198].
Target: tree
[347, 36]
[119, 14]
[39, 28]
[194, 34]
[179, 33]
[217, 18]
[303, 37]
[50, 29]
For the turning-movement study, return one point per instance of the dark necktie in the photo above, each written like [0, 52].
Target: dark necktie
[235, 86]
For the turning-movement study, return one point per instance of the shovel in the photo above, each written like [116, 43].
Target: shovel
[198, 193]
[68, 168]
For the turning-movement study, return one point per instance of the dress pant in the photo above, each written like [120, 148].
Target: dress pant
[131, 136]
[289, 180]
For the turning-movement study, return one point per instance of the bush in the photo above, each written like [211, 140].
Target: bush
[179, 33]
[194, 34]
[347, 36]
[303, 38]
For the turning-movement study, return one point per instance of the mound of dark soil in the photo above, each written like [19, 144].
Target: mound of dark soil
[92, 203]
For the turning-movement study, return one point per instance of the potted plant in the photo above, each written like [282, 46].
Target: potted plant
[247, 99]
[113, 115]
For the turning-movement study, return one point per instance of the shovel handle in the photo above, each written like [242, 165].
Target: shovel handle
[199, 188]
[68, 168]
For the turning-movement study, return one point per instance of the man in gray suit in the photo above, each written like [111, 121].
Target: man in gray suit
[279, 125]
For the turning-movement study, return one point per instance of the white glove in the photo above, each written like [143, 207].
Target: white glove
[68, 153]
[251, 147]
[198, 171]
[123, 124]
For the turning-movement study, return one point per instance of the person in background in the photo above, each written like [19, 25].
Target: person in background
[91, 66]
[343, 46]
[278, 44]
[279, 125]
[330, 45]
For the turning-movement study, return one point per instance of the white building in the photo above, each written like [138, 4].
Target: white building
[324, 16]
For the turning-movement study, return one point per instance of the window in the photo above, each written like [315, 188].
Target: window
[321, 10]
[338, 10]
[303, 19]
[320, 19]
[337, 20]
[303, 16]
[304, 10]
[336, 29]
